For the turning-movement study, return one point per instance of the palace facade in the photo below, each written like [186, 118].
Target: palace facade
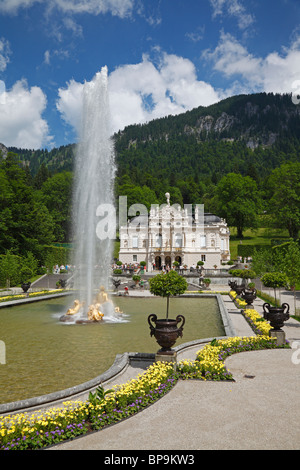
[170, 233]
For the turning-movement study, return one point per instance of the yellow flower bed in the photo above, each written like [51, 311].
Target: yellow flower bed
[6, 298]
[45, 427]
[257, 322]
[209, 364]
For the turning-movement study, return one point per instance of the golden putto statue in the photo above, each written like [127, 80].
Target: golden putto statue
[96, 311]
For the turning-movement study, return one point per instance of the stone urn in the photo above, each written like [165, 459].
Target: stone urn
[62, 283]
[239, 289]
[166, 331]
[249, 296]
[232, 284]
[25, 286]
[276, 315]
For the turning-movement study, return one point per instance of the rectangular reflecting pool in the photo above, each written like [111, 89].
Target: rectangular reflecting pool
[44, 355]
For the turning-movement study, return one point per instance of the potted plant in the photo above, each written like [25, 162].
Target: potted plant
[26, 274]
[207, 282]
[200, 264]
[136, 278]
[276, 315]
[166, 330]
[275, 280]
[142, 265]
[251, 286]
[176, 264]
[247, 274]
[238, 288]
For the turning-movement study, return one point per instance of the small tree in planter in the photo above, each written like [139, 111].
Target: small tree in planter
[136, 278]
[276, 315]
[275, 280]
[176, 264]
[247, 274]
[142, 265]
[166, 331]
[26, 274]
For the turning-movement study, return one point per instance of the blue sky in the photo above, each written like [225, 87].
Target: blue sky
[163, 57]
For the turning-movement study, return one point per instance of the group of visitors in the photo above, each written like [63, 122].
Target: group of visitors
[61, 269]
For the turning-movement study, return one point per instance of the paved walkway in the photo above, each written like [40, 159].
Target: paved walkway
[260, 410]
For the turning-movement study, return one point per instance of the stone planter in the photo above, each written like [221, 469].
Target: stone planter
[25, 286]
[239, 289]
[249, 296]
[166, 332]
[276, 315]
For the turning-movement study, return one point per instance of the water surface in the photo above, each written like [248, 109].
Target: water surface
[44, 355]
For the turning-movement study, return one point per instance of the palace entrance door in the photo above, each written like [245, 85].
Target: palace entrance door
[157, 262]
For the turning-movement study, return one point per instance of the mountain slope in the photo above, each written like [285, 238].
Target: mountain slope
[245, 133]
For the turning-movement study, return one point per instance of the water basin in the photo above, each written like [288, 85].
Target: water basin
[44, 355]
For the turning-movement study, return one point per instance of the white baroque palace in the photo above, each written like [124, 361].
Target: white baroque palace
[171, 233]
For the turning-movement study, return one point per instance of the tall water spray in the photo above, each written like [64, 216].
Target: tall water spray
[93, 188]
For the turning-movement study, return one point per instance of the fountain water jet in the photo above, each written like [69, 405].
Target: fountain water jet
[94, 174]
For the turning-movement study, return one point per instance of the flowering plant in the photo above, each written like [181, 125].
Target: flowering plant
[6, 298]
[26, 431]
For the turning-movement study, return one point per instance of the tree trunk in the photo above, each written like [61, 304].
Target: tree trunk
[240, 232]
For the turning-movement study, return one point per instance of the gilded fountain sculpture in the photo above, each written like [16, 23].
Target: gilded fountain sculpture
[101, 307]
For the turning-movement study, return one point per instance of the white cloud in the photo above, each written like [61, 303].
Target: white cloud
[232, 58]
[47, 57]
[197, 35]
[141, 92]
[21, 122]
[70, 102]
[12, 6]
[121, 8]
[274, 73]
[233, 8]
[5, 52]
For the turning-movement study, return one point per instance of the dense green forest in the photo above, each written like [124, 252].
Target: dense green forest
[239, 157]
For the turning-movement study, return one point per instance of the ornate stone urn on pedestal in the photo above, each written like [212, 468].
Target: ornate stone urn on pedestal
[25, 287]
[277, 316]
[166, 331]
[249, 296]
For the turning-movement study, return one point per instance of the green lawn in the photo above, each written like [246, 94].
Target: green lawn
[261, 236]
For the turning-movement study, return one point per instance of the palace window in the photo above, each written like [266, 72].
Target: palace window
[158, 241]
[178, 240]
[203, 240]
[135, 242]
